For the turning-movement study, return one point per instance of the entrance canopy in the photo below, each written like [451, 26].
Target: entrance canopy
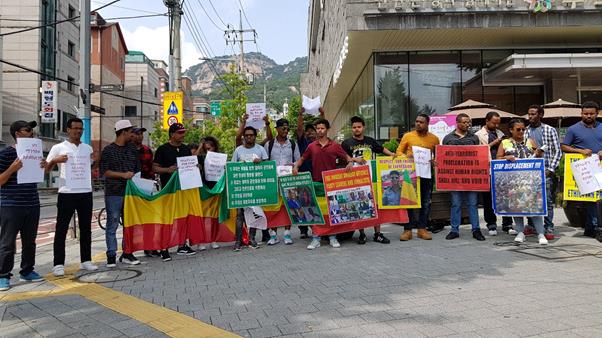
[477, 110]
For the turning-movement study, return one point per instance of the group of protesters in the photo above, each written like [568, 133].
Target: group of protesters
[311, 150]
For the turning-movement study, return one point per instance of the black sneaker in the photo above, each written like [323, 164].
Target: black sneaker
[111, 263]
[185, 250]
[152, 253]
[129, 259]
[478, 235]
[236, 247]
[453, 235]
[380, 238]
[304, 235]
[362, 239]
[253, 244]
[165, 256]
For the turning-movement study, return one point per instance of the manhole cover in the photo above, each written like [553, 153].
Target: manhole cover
[108, 276]
[558, 252]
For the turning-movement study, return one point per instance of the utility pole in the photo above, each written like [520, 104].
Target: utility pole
[175, 59]
[141, 99]
[84, 69]
[237, 36]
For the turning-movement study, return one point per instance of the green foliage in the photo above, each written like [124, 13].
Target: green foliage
[391, 145]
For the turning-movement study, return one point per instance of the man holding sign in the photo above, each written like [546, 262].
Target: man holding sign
[75, 194]
[19, 211]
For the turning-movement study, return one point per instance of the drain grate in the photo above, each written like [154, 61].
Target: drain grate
[108, 276]
[560, 252]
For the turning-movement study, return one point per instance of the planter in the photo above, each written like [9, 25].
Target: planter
[575, 213]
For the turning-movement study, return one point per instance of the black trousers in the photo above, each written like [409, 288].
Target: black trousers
[14, 220]
[488, 213]
[67, 204]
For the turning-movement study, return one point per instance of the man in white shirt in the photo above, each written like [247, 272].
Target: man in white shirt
[75, 194]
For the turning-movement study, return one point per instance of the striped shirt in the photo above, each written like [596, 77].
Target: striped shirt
[119, 159]
[11, 193]
[549, 138]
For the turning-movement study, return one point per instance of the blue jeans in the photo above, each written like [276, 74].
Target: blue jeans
[537, 223]
[420, 217]
[591, 220]
[470, 197]
[114, 209]
[549, 219]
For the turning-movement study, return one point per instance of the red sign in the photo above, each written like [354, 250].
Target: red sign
[462, 168]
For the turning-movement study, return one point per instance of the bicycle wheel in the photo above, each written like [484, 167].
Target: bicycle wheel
[99, 218]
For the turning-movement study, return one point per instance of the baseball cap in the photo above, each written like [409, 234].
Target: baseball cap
[281, 122]
[138, 130]
[176, 127]
[20, 124]
[123, 124]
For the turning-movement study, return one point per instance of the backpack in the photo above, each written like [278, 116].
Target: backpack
[271, 146]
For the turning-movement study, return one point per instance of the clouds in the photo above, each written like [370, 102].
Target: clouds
[154, 42]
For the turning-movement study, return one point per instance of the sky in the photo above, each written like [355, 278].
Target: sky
[281, 27]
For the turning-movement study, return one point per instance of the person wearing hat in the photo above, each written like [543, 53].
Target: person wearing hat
[71, 199]
[165, 164]
[118, 163]
[20, 211]
[145, 154]
[285, 152]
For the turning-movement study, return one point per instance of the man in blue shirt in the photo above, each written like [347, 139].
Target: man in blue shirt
[585, 138]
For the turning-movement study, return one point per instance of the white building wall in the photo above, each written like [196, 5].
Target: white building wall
[151, 86]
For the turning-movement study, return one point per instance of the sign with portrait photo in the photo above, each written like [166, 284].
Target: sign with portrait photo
[397, 183]
[299, 198]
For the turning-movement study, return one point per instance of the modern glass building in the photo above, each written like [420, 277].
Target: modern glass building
[391, 60]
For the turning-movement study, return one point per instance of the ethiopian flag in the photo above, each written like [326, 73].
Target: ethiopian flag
[408, 191]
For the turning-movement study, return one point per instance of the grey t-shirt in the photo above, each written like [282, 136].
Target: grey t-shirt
[244, 154]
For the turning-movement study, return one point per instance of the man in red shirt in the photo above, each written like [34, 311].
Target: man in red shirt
[323, 153]
[145, 154]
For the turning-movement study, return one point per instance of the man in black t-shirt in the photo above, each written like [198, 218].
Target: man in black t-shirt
[165, 164]
[361, 146]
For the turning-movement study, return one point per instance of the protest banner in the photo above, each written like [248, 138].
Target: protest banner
[299, 198]
[397, 183]
[78, 173]
[442, 125]
[255, 218]
[30, 151]
[571, 190]
[215, 166]
[462, 168]
[256, 112]
[349, 195]
[190, 175]
[312, 106]
[585, 172]
[422, 161]
[250, 184]
[519, 187]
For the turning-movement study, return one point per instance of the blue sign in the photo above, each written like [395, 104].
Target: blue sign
[519, 187]
[173, 109]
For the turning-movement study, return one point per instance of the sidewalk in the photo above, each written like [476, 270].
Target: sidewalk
[459, 288]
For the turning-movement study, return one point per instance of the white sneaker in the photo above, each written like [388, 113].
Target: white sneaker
[315, 243]
[288, 240]
[520, 238]
[334, 243]
[492, 232]
[58, 270]
[88, 266]
[214, 245]
[512, 232]
[542, 239]
[273, 240]
[201, 247]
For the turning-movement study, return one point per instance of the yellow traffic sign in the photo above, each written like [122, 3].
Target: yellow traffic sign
[172, 108]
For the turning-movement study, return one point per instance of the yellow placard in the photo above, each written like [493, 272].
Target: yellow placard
[397, 184]
[571, 190]
[172, 108]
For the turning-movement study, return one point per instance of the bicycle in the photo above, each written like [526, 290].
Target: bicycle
[101, 216]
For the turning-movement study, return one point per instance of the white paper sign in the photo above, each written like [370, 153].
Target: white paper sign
[78, 174]
[215, 166]
[256, 113]
[29, 150]
[146, 185]
[312, 106]
[283, 170]
[188, 170]
[255, 218]
[584, 172]
[422, 160]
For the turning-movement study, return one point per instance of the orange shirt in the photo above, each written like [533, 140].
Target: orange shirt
[412, 138]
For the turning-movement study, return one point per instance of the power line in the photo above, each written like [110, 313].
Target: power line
[128, 8]
[217, 13]
[208, 47]
[37, 72]
[208, 16]
[245, 15]
[116, 18]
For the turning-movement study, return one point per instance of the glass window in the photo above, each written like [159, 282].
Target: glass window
[70, 49]
[472, 88]
[391, 92]
[130, 111]
[70, 85]
[71, 13]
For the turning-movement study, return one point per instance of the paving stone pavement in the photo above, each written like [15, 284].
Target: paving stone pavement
[67, 316]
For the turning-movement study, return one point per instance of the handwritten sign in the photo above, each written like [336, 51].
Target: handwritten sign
[30, 151]
[215, 166]
[462, 168]
[78, 174]
[256, 112]
[422, 160]
[188, 171]
[571, 190]
[584, 172]
[312, 106]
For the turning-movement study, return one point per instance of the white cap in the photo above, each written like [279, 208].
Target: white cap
[123, 124]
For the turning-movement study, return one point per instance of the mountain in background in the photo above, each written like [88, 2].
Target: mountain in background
[281, 81]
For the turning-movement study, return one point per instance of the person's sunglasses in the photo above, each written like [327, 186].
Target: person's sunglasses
[284, 127]
[520, 129]
[26, 129]
[181, 131]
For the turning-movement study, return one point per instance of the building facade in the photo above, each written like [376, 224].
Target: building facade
[391, 60]
[142, 83]
[161, 68]
[52, 50]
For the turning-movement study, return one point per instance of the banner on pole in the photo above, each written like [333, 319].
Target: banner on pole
[49, 102]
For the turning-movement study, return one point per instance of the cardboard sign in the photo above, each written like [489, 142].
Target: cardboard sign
[30, 151]
[519, 187]
[78, 174]
[571, 190]
[397, 183]
[256, 112]
[215, 166]
[299, 198]
[189, 173]
[462, 168]
[249, 184]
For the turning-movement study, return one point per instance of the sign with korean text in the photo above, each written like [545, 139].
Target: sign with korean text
[30, 151]
[49, 91]
[571, 189]
[172, 108]
[299, 198]
[397, 183]
[349, 195]
[251, 184]
[189, 173]
[256, 112]
[78, 173]
[442, 125]
[462, 168]
[519, 187]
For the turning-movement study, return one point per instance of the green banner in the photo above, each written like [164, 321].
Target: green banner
[299, 197]
[249, 184]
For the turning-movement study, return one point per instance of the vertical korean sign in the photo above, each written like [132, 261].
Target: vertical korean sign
[571, 190]
[48, 112]
[462, 168]
[249, 184]
[398, 185]
[172, 108]
[349, 195]
[300, 200]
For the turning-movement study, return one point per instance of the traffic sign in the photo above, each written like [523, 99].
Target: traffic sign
[97, 109]
[106, 88]
[172, 108]
[216, 108]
